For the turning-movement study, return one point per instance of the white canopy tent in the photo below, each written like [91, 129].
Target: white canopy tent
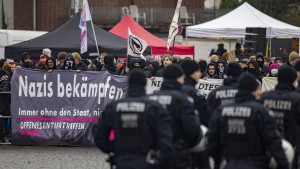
[234, 23]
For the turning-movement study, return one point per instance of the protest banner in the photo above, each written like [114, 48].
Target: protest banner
[60, 108]
[206, 85]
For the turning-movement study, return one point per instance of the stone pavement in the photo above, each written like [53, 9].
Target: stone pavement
[51, 157]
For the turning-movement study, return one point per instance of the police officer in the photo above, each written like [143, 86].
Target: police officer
[184, 121]
[225, 94]
[192, 75]
[242, 132]
[285, 103]
[140, 126]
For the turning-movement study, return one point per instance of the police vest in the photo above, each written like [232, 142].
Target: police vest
[132, 133]
[239, 136]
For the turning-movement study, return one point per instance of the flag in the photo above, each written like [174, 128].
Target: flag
[85, 16]
[174, 25]
[135, 45]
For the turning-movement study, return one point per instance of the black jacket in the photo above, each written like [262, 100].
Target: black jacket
[222, 95]
[200, 104]
[285, 103]
[160, 72]
[185, 123]
[244, 132]
[140, 124]
[4, 87]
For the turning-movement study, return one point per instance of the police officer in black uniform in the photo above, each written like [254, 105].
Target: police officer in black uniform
[184, 121]
[225, 94]
[241, 133]
[141, 128]
[192, 72]
[285, 103]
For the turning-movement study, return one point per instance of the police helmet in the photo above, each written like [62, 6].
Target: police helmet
[289, 152]
[201, 146]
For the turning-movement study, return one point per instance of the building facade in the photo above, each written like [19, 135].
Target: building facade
[46, 15]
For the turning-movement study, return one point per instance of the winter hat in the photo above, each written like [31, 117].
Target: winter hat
[47, 52]
[273, 66]
[293, 56]
[286, 74]
[297, 66]
[247, 82]
[238, 46]
[202, 65]
[109, 60]
[234, 70]
[189, 67]
[259, 54]
[137, 77]
[172, 72]
[25, 55]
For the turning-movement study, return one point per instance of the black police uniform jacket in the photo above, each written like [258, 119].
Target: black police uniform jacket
[222, 95]
[245, 131]
[184, 121]
[200, 103]
[139, 123]
[285, 103]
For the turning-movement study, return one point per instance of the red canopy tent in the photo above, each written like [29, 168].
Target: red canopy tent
[158, 46]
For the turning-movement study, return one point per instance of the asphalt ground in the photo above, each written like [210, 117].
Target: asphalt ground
[51, 157]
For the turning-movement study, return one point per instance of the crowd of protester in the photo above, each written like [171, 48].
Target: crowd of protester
[217, 66]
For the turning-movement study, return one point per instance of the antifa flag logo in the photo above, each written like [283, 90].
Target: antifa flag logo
[135, 45]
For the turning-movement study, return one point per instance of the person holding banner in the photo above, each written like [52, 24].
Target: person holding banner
[141, 129]
[184, 120]
[243, 132]
[285, 103]
[192, 72]
[225, 94]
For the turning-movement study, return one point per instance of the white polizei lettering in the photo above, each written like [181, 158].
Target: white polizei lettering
[278, 104]
[236, 111]
[222, 94]
[131, 107]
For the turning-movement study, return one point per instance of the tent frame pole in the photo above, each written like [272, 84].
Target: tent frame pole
[270, 39]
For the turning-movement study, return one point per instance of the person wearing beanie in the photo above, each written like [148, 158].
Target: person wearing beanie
[225, 94]
[293, 58]
[203, 66]
[192, 76]
[285, 103]
[297, 68]
[185, 121]
[244, 131]
[139, 125]
[45, 55]
[273, 70]
[109, 64]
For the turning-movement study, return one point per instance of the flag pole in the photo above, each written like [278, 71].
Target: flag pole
[95, 37]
